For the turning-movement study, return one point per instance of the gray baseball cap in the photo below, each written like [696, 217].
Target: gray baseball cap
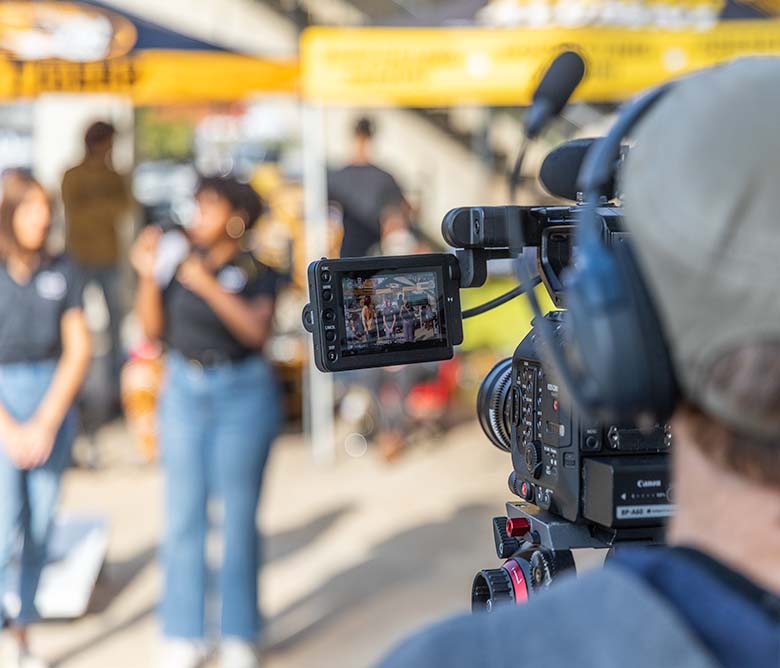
[701, 190]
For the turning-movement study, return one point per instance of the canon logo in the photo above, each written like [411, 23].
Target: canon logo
[648, 483]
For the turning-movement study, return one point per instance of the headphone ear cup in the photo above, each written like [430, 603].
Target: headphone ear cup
[660, 393]
[615, 340]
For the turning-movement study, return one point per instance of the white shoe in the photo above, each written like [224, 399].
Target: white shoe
[235, 653]
[182, 654]
[15, 655]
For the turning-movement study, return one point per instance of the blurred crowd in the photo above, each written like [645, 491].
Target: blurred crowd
[195, 387]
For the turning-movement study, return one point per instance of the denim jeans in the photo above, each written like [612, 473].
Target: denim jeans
[28, 499]
[217, 424]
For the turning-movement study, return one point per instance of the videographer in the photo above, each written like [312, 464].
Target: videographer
[699, 190]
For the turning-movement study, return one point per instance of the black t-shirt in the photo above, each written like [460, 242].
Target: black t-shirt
[31, 313]
[363, 192]
[191, 326]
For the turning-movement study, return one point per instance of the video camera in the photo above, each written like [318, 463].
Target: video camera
[581, 483]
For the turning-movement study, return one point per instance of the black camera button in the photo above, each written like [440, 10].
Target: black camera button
[330, 335]
[325, 276]
[533, 458]
[329, 315]
[327, 295]
[332, 356]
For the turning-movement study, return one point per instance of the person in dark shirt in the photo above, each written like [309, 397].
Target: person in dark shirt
[44, 354]
[389, 318]
[699, 188]
[220, 411]
[407, 317]
[364, 192]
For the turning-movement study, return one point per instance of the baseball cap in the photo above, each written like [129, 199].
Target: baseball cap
[700, 192]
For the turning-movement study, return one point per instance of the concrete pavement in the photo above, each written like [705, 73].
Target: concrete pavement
[357, 554]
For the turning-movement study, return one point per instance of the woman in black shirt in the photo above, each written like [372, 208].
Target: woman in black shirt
[44, 355]
[220, 410]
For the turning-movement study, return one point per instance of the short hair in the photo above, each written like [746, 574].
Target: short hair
[242, 197]
[98, 133]
[749, 377]
[365, 128]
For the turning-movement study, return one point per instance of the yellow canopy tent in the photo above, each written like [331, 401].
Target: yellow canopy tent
[86, 47]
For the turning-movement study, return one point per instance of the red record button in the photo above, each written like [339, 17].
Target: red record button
[555, 405]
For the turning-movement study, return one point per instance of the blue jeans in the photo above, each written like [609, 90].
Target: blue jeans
[28, 499]
[216, 428]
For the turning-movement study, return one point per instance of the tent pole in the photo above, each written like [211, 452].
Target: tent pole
[319, 396]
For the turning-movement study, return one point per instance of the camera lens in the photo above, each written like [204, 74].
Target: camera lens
[494, 405]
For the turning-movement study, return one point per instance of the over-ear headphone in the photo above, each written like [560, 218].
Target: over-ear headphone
[614, 360]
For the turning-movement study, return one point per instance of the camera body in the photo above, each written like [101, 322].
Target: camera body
[612, 477]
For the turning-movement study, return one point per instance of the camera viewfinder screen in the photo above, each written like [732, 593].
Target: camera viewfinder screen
[392, 311]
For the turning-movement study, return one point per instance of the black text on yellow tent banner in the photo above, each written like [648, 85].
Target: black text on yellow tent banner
[152, 77]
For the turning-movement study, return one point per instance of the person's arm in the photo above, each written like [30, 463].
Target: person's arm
[11, 437]
[248, 320]
[149, 308]
[148, 299]
[40, 432]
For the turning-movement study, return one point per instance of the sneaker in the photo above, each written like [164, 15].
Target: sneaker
[235, 653]
[183, 654]
[14, 654]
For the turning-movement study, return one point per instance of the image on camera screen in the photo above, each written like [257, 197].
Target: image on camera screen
[395, 311]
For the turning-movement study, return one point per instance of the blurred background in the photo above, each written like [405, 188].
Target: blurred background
[379, 494]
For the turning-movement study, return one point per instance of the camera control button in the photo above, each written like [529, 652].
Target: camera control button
[332, 356]
[325, 276]
[328, 315]
[330, 335]
[533, 458]
[327, 295]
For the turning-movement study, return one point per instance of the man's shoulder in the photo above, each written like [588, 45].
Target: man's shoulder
[72, 172]
[606, 619]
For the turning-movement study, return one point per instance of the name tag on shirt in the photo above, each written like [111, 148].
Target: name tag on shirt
[51, 285]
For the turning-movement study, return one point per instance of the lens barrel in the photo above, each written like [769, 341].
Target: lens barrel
[494, 405]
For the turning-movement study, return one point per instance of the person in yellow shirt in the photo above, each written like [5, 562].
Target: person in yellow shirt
[96, 199]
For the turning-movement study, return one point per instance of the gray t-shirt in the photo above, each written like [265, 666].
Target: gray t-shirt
[31, 312]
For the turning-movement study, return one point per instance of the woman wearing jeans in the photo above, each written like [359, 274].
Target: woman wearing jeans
[219, 413]
[44, 355]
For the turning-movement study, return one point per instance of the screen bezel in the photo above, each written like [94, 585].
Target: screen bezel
[444, 265]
